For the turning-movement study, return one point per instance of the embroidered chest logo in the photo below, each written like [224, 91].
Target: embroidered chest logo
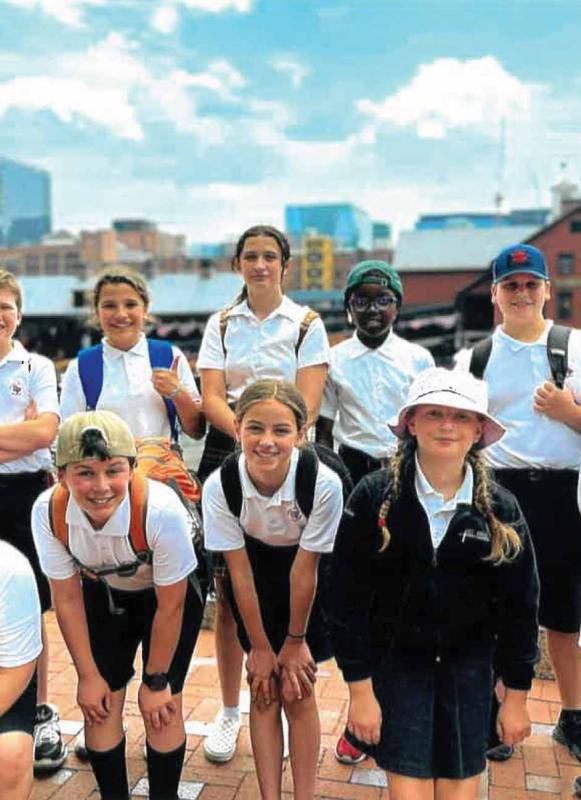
[479, 536]
[294, 513]
[16, 388]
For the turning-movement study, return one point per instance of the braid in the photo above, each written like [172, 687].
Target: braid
[400, 464]
[505, 542]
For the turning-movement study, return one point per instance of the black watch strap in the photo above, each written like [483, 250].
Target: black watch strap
[156, 681]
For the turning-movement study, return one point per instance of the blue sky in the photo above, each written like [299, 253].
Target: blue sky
[210, 115]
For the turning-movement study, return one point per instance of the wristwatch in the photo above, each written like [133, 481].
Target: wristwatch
[157, 681]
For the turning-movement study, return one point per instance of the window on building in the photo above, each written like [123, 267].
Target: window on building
[32, 265]
[575, 226]
[564, 305]
[51, 264]
[566, 263]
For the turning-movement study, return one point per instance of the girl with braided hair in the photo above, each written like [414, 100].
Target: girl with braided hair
[435, 580]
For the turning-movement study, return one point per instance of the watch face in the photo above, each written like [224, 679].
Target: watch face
[156, 681]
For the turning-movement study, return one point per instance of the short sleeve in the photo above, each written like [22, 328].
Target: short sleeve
[319, 533]
[43, 385]
[425, 360]
[314, 348]
[185, 374]
[169, 536]
[211, 355]
[20, 636]
[72, 397]
[55, 560]
[573, 380]
[329, 401]
[222, 530]
[462, 359]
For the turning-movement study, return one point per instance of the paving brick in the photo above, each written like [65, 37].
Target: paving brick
[540, 761]
[509, 774]
[543, 783]
[539, 711]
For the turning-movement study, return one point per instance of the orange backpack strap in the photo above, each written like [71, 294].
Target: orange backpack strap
[57, 513]
[223, 324]
[138, 499]
[309, 317]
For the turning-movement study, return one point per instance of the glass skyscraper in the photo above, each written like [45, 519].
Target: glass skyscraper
[25, 207]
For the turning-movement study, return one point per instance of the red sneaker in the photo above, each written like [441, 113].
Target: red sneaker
[345, 753]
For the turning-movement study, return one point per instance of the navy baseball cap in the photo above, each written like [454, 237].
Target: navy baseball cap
[519, 258]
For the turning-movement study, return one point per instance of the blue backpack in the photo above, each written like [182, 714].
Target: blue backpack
[90, 363]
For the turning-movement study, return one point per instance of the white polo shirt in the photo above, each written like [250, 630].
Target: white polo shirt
[366, 387]
[24, 377]
[20, 637]
[167, 530]
[127, 389]
[259, 349]
[275, 520]
[514, 372]
[439, 511]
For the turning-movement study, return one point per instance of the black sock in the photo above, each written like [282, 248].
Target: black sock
[570, 715]
[110, 771]
[164, 770]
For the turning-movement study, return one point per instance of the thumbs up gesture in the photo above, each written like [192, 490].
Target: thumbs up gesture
[166, 381]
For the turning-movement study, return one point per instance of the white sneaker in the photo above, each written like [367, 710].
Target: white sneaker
[220, 743]
[49, 751]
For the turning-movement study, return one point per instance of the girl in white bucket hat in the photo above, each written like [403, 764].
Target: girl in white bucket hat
[435, 580]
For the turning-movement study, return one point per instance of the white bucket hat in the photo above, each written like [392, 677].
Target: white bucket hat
[456, 389]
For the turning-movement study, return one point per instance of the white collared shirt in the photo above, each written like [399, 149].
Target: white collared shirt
[366, 388]
[439, 511]
[167, 530]
[24, 377]
[20, 639]
[127, 389]
[275, 520]
[514, 372]
[259, 349]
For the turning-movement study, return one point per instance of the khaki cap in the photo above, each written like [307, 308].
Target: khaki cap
[115, 431]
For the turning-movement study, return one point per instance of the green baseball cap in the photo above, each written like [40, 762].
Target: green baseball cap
[375, 273]
[115, 432]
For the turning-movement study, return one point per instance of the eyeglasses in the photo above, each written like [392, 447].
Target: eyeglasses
[382, 302]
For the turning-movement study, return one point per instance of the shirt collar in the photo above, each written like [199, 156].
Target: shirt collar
[117, 525]
[285, 493]
[515, 344]
[139, 349]
[16, 353]
[359, 349]
[286, 309]
[463, 495]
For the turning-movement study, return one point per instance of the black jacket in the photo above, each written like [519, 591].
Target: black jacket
[410, 596]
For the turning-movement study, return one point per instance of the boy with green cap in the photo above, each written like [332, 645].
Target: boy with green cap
[367, 383]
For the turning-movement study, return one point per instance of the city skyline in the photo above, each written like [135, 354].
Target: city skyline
[208, 115]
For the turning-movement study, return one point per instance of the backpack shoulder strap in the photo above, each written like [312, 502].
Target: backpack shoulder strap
[306, 479]
[557, 349]
[231, 485]
[138, 492]
[161, 355]
[222, 325]
[57, 510]
[90, 366]
[480, 356]
[310, 316]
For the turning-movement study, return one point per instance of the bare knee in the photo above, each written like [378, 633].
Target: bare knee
[299, 709]
[15, 765]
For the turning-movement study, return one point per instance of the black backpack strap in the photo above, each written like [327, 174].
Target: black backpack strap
[480, 355]
[231, 486]
[306, 480]
[557, 349]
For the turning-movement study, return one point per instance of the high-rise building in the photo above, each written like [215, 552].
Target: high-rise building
[25, 205]
[349, 227]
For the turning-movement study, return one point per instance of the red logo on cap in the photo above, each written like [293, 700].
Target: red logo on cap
[519, 257]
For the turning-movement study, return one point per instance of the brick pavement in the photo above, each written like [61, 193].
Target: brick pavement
[540, 770]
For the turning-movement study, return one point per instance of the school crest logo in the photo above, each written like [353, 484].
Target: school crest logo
[16, 388]
[294, 513]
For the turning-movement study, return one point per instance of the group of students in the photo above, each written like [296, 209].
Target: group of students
[424, 586]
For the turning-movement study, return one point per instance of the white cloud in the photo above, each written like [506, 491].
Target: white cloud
[219, 6]
[220, 77]
[69, 12]
[295, 71]
[164, 19]
[448, 94]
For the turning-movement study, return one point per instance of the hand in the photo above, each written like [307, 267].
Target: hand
[513, 723]
[157, 708]
[557, 404]
[262, 672]
[364, 717]
[298, 669]
[31, 412]
[94, 698]
[166, 381]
